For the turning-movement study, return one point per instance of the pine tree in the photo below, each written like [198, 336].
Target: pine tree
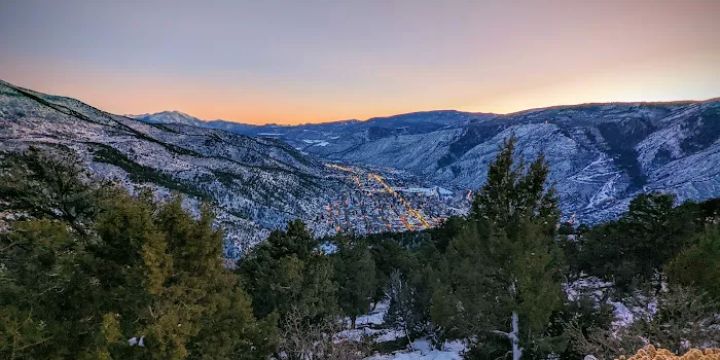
[656, 232]
[503, 280]
[635, 248]
[699, 265]
[511, 194]
[40, 185]
[124, 278]
[355, 276]
[45, 293]
[388, 256]
[288, 273]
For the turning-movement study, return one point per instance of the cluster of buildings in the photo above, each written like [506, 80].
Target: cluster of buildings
[378, 202]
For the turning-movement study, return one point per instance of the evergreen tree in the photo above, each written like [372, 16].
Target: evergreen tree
[387, 256]
[567, 239]
[449, 228]
[699, 265]
[657, 232]
[41, 185]
[503, 280]
[355, 276]
[288, 273]
[635, 248]
[580, 314]
[511, 193]
[129, 279]
[407, 312]
[45, 293]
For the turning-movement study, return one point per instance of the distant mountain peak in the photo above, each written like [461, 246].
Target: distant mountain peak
[169, 117]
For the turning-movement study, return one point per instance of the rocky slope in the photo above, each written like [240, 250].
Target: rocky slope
[406, 172]
[601, 155]
[256, 184]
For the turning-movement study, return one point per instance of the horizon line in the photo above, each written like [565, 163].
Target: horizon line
[240, 122]
[592, 103]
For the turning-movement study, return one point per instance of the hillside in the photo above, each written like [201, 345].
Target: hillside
[405, 172]
[256, 184]
[601, 155]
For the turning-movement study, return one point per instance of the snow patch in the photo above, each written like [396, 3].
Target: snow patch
[423, 350]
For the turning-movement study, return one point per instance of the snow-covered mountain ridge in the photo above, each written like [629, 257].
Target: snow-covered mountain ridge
[601, 155]
[256, 184]
[402, 172]
[169, 117]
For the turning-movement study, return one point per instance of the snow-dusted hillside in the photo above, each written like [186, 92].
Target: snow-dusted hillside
[257, 184]
[601, 155]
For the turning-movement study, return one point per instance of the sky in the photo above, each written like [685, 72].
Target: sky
[313, 61]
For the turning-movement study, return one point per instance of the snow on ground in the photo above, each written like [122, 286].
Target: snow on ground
[328, 248]
[375, 317]
[598, 289]
[605, 194]
[372, 326]
[322, 143]
[586, 286]
[436, 190]
[423, 350]
[623, 315]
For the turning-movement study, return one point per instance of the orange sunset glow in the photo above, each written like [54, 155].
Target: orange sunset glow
[298, 62]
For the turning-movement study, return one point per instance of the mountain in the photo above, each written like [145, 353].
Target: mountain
[601, 155]
[303, 135]
[407, 171]
[169, 117]
[256, 184]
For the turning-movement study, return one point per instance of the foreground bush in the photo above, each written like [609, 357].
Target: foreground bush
[95, 273]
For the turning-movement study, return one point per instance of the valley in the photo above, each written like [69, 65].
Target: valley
[391, 201]
[255, 184]
[399, 173]
[400, 177]
[600, 155]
